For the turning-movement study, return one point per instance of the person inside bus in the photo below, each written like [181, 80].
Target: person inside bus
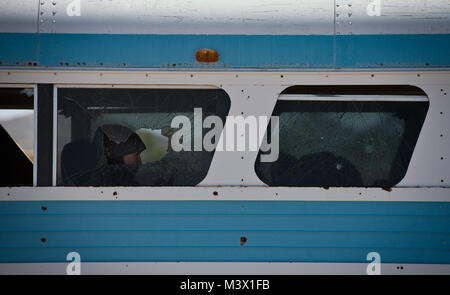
[118, 149]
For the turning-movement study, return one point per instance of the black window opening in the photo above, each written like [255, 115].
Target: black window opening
[17, 136]
[121, 137]
[344, 136]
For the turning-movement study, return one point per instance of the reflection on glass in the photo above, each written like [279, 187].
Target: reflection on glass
[343, 143]
[120, 137]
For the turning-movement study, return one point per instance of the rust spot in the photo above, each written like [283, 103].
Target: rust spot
[243, 241]
[43, 240]
[215, 193]
[388, 189]
[60, 63]
[174, 65]
[84, 64]
[381, 65]
[326, 187]
[67, 64]
[78, 63]
[1, 63]
[44, 208]
[114, 193]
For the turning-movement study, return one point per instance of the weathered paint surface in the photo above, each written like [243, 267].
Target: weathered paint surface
[401, 232]
[249, 17]
[235, 51]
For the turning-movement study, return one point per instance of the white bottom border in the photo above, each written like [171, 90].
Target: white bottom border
[221, 268]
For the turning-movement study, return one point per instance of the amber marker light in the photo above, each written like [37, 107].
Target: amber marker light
[207, 56]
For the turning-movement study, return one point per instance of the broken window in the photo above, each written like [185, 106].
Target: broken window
[122, 137]
[16, 136]
[337, 136]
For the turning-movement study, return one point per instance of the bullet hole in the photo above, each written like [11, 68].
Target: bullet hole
[442, 90]
[442, 158]
[418, 75]
[192, 76]
[60, 63]
[101, 64]
[242, 90]
[9, 194]
[1, 63]
[174, 65]
[359, 194]
[43, 240]
[101, 74]
[242, 158]
[388, 189]
[248, 97]
[242, 179]
[242, 113]
[67, 64]
[237, 76]
[146, 75]
[114, 193]
[84, 64]
[101, 192]
[17, 63]
[215, 194]
[243, 241]
[78, 63]
[44, 208]
[372, 75]
[442, 135]
[326, 187]
[276, 194]
[442, 180]
[399, 267]
[427, 64]
[35, 64]
[281, 76]
[381, 65]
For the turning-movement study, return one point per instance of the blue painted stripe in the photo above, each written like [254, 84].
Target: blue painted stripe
[211, 239]
[241, 254]
[402, 232]
[411, 224]
[236, 51]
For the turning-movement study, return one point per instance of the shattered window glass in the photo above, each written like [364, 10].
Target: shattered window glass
[122, 137]
[343, 143]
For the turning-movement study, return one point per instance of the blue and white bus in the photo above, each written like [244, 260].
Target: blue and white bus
[361, 95]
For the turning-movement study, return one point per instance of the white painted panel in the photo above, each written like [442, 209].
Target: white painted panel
[426, 168]
[247, 17]
[18, 16]
[224, 193]
[221, 268]
[393, 17]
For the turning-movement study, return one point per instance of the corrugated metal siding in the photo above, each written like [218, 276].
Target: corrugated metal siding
[235, 51]
[402, 232]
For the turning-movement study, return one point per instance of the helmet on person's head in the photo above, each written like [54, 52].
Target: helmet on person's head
[120, 141]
